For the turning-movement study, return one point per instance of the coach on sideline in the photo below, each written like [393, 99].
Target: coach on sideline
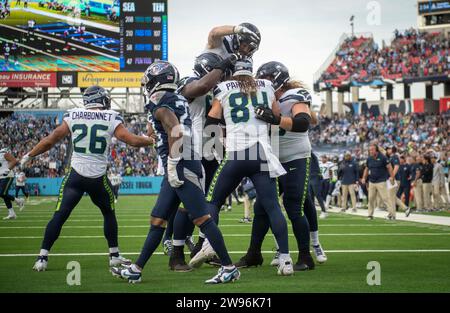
[349, 175]
[378, 170]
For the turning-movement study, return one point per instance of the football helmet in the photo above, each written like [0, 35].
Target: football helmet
[253, 42]
[205, 63]
[274, 71]
[96, 97]
[243, 67]
[160, 75]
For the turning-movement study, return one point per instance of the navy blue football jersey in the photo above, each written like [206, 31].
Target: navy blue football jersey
[178, 105]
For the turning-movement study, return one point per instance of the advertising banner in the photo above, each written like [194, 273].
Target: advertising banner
[27, 79]
[110, 79]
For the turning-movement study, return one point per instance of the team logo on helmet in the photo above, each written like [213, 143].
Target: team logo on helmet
[157, 68]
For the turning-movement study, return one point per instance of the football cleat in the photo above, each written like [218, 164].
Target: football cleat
[323, 215]
[205, 254]
[370, 218]
[250, 259]
[177, 262]
[305, 262]
[354, 210]
[168, 247]
[190, 243]
[225, 276]
[285, 267]
[10, 217]
[119, 260]
[276, 259]
[197, 247]
[127, 273]
[245, 220]
[41, 263]
[319, 253]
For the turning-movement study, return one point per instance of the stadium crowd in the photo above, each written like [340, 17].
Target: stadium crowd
[29, 129]
[410, 54]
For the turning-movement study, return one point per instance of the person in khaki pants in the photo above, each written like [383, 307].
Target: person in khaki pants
[348, 174]
[427, 177]
[437, 181]
[378, 171]
[393, 200]
[417, 182]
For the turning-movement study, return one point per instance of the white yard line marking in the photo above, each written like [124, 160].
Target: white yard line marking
[232, 252]
[235, 235]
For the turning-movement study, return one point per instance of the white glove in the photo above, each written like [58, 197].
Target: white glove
[172, 174]
[245, 31]
[25, 159]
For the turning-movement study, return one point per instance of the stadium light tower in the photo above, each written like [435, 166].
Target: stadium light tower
[352, 24]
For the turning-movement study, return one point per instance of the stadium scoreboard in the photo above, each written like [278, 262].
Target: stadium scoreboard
[143, 34]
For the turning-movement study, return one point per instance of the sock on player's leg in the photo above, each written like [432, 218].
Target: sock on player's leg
[315, 238]
[279, 229]
[212, 232]
[182, 227]
[151, 243]
[110, 228]
[300, 229]
[114, 251]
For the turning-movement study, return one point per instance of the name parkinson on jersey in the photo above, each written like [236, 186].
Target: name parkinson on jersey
[91, 115]
[235, 84]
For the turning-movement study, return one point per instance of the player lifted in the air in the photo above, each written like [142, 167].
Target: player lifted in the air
[242, 39]
[183, 182]
[7, 163]
[91, 129]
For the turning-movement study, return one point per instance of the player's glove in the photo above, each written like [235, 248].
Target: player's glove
[266, 114]
[25, 159]
[172, 174]
[245, 31]
[227, 63]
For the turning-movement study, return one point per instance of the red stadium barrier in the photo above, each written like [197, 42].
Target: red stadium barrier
[444, 104]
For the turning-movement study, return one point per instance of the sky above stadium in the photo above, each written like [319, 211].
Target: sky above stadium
[300, 33]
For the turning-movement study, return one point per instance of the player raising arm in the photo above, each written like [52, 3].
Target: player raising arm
[92, 129]
[243, 39]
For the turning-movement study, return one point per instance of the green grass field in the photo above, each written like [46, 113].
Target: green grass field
[414, 257]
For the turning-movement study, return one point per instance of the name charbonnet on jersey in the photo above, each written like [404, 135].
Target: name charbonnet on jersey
[92, 132]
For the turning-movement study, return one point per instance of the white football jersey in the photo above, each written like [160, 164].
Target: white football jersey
[293, 145]
[116, 179]
[4, 169]
[92, 131]
[325, 169]
[198, 109]
[243, 129]
[225, 49]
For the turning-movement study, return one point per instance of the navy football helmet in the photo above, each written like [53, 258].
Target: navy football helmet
[253, 42]
[96, 97]
[160, 75]
[205, 63]
[274, 71]
[243, 67]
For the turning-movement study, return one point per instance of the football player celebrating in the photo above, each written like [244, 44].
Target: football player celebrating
[243, 39]
[209, 69]
[91, 129]
[248, 154]
[170, 119]
[7, 163]
[295, 155]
